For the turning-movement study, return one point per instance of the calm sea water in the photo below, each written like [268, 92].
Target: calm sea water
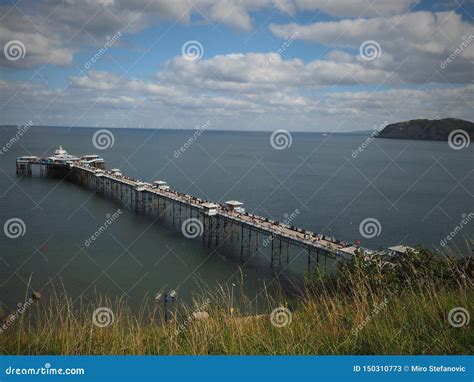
[417, 190]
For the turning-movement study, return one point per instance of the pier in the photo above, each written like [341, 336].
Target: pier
[211, 221]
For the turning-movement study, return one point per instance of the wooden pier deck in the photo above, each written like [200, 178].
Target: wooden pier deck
[158, 198]
[265, 226]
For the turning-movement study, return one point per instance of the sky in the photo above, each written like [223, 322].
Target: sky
[298, 65]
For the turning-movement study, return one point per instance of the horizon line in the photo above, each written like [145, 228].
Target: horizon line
[190, 129]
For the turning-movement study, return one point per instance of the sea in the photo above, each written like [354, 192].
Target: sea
[351, 186]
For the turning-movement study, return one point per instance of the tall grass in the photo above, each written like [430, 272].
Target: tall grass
[368, 308]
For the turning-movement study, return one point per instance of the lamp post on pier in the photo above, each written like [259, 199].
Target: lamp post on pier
[232, 301]
[165, 298]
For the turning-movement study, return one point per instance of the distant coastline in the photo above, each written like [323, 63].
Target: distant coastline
[112, 128]
[426, 129]
[417, 129]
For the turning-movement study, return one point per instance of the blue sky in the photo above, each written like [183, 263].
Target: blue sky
[262, 64]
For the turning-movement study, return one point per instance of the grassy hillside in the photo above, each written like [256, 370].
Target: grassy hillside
[369, 308]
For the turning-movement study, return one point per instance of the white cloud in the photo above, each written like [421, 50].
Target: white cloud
[356, 8]
[340, 56]
[235, 90]
[413, 45]
[54, 31]
[421, 31]
[38, 48]
[255, 72]
[230, 13]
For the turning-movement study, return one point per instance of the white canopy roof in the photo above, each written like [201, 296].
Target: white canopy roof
[209, 205]
[234, 203]
[401, 249]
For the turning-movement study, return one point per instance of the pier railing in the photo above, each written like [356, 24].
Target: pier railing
[213, 218]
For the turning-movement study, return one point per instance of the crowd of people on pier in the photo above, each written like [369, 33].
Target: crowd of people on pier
[274, 227]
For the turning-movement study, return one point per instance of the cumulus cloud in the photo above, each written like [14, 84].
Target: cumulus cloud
[34, 43]
[253, 72]
[53, 31]
[125, 103]
[185, 92]
[236, 75]
[304, 93]
[356, 8]
[412, 45]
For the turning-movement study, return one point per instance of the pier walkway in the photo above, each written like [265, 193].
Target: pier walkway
[213, 220]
